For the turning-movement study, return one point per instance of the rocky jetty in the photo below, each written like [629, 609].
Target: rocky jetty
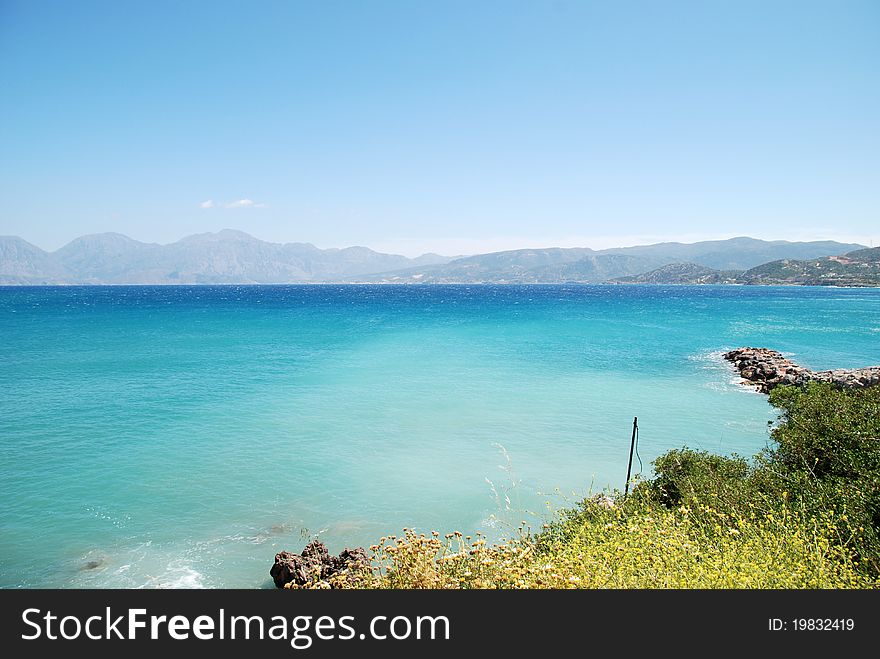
[316, 567]
[767, 369]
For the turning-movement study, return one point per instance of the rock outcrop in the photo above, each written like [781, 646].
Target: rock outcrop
[316, 566]
[767, 369]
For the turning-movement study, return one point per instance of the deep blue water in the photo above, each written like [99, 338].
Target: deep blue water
[181, 436]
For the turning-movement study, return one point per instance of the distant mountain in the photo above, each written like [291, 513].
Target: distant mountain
[104, 258]
[224, 257]
[590, 266]
[858, 268]
[22, 263]
[524, 266]
[235, 257]
[735, 253]
[682, 273]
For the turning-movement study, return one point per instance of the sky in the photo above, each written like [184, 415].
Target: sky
[450, 126]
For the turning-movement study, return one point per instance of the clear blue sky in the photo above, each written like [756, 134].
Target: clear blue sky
[455, 126]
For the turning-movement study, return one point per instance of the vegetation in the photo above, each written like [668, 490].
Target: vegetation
[859, 268]
[682, 273]
[803, 514]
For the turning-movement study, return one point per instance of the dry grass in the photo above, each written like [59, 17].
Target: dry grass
[640, 547]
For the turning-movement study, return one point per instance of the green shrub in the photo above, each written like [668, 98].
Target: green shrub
[825, 463]
[827, 432]
[827, 458]
[683, 476]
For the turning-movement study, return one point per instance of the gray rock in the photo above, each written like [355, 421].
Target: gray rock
[767, 369]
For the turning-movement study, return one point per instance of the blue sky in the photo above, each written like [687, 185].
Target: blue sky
[456, 127]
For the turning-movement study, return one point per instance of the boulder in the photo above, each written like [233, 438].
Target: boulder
[315, 564]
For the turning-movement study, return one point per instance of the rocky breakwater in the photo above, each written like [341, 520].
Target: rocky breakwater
[767, 369]
[317, 568]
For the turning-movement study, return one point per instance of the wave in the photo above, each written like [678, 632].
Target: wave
[726, 377]
[178, 575]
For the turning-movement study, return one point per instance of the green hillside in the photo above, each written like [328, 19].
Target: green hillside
[682, 273]
[859, 268]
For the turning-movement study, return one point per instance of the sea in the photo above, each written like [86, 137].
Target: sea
[179, 437]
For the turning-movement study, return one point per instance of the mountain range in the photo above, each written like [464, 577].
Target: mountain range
[553, 265]
[229, 256]
[225, 257]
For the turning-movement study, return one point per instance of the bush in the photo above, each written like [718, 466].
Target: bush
[827, 459]
[827, 432]
[684, 476]
[825, 464]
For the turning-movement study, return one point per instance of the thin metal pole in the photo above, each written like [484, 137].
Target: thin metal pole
[632, 446]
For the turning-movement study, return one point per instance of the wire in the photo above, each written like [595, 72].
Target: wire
[637, 450]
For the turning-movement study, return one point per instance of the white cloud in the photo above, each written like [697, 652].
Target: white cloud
[237, 203]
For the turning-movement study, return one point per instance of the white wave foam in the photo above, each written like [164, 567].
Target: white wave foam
[189, 578]
[728, 378]
[178, 575]
[708, 357]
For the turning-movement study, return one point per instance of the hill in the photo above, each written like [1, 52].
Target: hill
[857, 268]
[524, 266]
[682, 273]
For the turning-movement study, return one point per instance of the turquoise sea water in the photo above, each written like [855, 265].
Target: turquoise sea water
[181, 436]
